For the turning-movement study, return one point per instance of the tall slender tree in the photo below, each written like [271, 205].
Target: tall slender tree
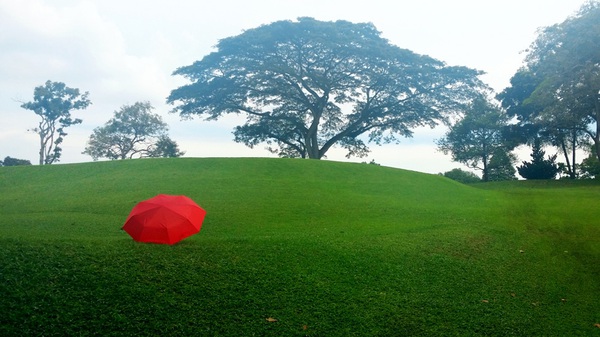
[53, 102]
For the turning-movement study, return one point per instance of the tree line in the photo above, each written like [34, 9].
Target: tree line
[306, 86]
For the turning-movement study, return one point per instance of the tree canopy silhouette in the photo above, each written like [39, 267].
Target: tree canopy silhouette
[307, 85]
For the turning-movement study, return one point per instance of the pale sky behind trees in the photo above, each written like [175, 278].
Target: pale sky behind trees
[125, 51]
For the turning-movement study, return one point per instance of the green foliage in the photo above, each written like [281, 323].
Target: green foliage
[324, 248]
[501, 166]
[477, 138]
[308, 85]
[134, 131]
[515, 98]
[54, 102]
[165, 147]
[539, 167]
[558, 88]
[462, 176]
[372, 162]
[10, 161]
[590, 167]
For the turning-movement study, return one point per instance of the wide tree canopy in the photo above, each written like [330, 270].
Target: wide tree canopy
[308, 85]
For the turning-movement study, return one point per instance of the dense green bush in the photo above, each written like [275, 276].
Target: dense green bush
[539, 167]
[10, 161]
[462, 176]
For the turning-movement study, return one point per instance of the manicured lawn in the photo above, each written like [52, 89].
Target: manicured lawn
[297, 248]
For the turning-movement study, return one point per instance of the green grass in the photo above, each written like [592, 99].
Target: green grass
[325, 248]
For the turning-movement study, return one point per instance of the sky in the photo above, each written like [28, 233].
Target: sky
[125, 51]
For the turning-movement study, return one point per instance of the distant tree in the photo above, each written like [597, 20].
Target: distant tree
[501, 166]
[306, 86]
[53, 102]
[462, 176]
[134, 131]
[166, 147]
[372, 162]
[474, 139]
[539, 167]
[9, 161]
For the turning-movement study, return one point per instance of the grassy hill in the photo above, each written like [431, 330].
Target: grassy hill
[323, 248]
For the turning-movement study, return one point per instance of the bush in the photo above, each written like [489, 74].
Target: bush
[462, 176]
[9, 161]
[590, 167]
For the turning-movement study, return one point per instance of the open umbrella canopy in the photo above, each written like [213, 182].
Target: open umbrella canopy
[164, 219]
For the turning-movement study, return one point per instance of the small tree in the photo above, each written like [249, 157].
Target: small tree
[54, 102]
[166, 147]
[501, 166]
[538, 167]
[477, 137]
[134, 131]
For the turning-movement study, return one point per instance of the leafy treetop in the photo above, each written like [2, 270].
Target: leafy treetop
[53, 102]
[308, 85]
[134, 131]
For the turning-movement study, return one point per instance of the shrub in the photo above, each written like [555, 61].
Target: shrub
[462, 176]
[538, 167]
[9, 161]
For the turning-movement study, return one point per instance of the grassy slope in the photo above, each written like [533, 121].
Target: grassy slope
[325, 248]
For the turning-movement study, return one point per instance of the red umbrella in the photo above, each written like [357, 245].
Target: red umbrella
[164, 219]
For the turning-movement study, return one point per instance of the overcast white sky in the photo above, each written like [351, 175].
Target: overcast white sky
[124, 51]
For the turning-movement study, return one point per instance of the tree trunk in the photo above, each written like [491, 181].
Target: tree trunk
[597, 145]
[42, 149]
[597, 135]
[485, 175]
[312, 147]
[565, 152]
[311, 139]
[573, 171]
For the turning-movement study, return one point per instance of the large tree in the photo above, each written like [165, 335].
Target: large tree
[558, 88]
[537, 122]
[134, 131]
[307, 85]
[53, 102]
[476, 138]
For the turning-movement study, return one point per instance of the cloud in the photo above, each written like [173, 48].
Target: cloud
[76, 45]
[73, 44]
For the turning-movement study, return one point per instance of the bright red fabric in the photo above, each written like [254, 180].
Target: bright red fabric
[164, 219]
